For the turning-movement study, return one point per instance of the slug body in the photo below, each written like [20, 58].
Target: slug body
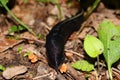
[57, 38]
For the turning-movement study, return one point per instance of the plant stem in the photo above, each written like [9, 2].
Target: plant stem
[110, 72]
[60, 12]
[92, 8]
[20, 22]
[98, 64]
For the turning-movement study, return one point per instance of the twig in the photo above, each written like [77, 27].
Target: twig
[88, 13]
[116, 70]
[74, 53]
[92, 8]
[45, 25]
[41, 76]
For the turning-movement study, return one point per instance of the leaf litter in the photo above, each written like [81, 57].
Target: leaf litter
[30, 13]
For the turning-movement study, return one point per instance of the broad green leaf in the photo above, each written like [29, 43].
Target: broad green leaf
[110, 36]
[118, 28]
[83, 65]
[93, 46]
[3, 2]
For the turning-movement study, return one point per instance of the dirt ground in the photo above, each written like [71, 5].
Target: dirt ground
[41, 17]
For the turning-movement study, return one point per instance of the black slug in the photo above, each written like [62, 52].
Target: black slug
[57, 38]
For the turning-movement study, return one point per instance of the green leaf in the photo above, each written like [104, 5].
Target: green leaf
[20, 28]
[93, 46]
[118, 28]
[83, 65]
[27, 54]
[13, 29]
[2, 68]
[19, 49]
[3, 2]
[16, 28]
[110, 36]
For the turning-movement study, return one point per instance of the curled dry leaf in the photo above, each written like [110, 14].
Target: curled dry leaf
[63, 68]
[13, 71]
[33, 58]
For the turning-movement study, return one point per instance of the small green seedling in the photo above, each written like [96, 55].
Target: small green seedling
[27, 54]
[16, 29]
[83, 65]
[40, 36]
[93, 47]
[110, 37]
[3, 3]
[95, 51]
[19, 49]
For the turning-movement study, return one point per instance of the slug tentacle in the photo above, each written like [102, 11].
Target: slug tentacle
[57, 38]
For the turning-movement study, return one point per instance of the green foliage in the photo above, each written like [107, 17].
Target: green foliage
[118, 28]
[13, 29]
[16, 28]
[83, 65]
[27, 54]
[39, 36]
[93, 46]
[2, 68]
[19, 49]
[3, 4]
[110, 37]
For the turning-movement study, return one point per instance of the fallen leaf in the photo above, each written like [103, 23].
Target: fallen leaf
[6, 43]
[33, 58]
[13, 71]
[63, 68]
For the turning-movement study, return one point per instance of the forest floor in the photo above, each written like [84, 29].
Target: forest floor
[41, 17]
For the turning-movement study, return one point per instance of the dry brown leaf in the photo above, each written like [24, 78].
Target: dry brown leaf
[6, 43]
[63, 68]
[33, 58]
